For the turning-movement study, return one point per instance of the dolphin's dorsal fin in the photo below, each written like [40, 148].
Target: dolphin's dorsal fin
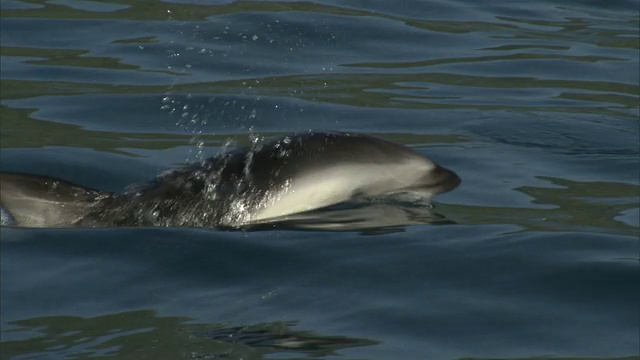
[40, 201]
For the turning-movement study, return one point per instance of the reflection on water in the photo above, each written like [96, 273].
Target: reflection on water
[65, 57]
[558, 58]
[575, 206]
[143, 334]
[370, 219]
[41, 133]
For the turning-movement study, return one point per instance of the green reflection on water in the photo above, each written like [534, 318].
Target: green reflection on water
[621, 33]
[19, 130]
[365, 89]
[145, 335]
[157, 10]
[520, 56]
[137, 40]
[570, 28]
[66, 57]
[372, 90]
[577, 206]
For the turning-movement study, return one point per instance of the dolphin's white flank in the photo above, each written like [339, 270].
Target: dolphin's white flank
[283, 177]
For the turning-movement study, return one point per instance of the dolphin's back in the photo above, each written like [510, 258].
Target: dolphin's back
[276, 163]
[293, 156]
[39, 201]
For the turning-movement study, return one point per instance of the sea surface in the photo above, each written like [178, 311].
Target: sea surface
[535, 105]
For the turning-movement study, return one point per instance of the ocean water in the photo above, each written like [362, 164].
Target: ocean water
[535, 105]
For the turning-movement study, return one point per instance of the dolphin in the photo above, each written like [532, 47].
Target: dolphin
[254, 185]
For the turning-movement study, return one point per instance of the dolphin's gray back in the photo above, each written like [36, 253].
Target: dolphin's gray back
[39, 201]
[294, 156]
[175, 198]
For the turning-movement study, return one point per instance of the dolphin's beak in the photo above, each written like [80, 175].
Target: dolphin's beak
[443, 180]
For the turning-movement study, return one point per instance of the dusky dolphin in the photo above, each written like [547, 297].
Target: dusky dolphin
[254, 185]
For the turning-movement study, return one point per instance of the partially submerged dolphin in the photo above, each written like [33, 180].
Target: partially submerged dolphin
[255, 185]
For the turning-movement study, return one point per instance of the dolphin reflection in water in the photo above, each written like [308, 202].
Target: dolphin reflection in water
[296, 179]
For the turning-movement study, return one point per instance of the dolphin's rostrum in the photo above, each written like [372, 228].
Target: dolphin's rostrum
[260, 184]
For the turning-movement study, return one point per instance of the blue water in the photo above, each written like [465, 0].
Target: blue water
[534, 104]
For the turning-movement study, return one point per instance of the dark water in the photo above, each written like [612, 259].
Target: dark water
[533, 103]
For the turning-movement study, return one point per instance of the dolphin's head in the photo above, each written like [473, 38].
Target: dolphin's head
[323, 169]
